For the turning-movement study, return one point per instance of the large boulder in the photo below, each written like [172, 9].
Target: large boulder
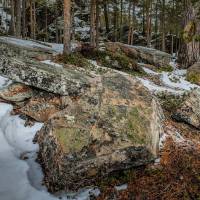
[97, 120]
[114, 125]
[25, 48]
[142, 54]
[43, 76]
[190, 110]
[193, 73]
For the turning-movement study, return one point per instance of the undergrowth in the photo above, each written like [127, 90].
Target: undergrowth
[177, 177]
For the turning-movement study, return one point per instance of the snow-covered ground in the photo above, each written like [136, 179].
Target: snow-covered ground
[22, 179]
[172, 82]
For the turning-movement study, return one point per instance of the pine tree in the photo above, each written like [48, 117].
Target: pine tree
[67, 27]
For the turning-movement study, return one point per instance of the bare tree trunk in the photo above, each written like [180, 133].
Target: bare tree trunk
[67, 27]
[190, 48]
[12, 27]
[18, 18]
[163, 25]
[129, 22]
[93, 30]
[46, 20]
[23, 18]
[32, 19]
[97, 24]
[105, 8]
[149, 10]
[57, 34]
[115, 20]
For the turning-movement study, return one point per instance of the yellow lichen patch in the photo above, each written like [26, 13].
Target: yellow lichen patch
[193, 77]
[189, 31]
[72, 140]
[137, 126]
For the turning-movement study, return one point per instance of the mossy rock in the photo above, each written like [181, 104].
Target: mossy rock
[193, 77]
[75, 59]
[114, 126]
[193, 74]
[116, 60]
[189, 31]
[167, 68]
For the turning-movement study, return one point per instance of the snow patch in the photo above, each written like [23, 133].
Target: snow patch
[49, 62]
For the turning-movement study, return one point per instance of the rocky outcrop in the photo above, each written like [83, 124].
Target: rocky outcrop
[190, 110]
[97, 120]
[142, 54]
[25, 48]
[193, 73]
[114, 125]
[60, 81]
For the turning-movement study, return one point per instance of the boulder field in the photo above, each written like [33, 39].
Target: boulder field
[94, 123]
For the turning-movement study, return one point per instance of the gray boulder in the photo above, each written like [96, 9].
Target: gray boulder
[142, 54]
[190, 110]
[60, 81]
[115, 125]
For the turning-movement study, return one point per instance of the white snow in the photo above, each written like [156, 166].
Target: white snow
[58, 48]
[149, 71]
[156, 88]
[121, 187]
[49, 62]
[22, 179]
[173, 82]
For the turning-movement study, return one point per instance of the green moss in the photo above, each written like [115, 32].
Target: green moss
[189, 31]
[137, 126]
[72, 140]
[113, 60]
[167, 68]
[75, 59]
[197, 38]
[169, 102]
[193, 77]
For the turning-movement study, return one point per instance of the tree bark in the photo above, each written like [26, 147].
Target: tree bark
[67, 27]
[190, 48]
[12, 27]
[23, 18]
[105, 8]
[18, 18]
[93, 29]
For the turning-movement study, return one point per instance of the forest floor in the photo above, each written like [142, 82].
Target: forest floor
[175, 175]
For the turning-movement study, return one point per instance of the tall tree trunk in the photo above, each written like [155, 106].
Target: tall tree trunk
[46, 21]
[148, 19]
[18, 18]
[12, 26]
[93, 30]
[57, 34]
[23, 18]
[190, 48]
[97, 24]
[67, 27]
[115, 20]
[163, 25]
[105, 8]
[32, 19]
